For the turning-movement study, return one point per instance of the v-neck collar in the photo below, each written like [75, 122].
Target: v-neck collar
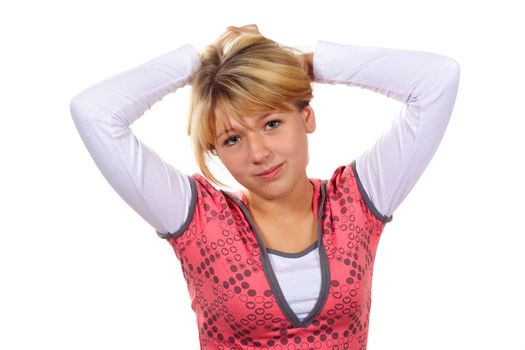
[318, 205]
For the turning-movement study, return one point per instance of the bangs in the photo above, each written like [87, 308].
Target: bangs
[237, 110]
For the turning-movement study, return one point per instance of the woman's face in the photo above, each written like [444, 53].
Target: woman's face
[269, 157]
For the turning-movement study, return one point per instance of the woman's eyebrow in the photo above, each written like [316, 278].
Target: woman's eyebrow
[259, 118]
[262, 116]
[226, 131]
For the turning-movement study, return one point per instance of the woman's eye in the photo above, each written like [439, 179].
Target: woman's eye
[273, 124]
[231, 140]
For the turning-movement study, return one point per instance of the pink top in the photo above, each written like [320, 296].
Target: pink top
[234, 291]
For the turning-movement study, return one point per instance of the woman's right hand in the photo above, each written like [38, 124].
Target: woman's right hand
[306, 60]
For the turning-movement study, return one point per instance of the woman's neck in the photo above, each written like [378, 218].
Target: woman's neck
[297, 203]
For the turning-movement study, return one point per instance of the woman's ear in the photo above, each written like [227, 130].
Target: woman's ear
[308, 115]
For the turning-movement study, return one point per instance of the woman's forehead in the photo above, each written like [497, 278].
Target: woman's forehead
[231, 120]
[222, 125]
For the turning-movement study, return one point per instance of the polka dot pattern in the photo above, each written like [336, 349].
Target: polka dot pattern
[235, 304]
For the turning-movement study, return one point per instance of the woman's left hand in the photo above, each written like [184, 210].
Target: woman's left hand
[306, 60]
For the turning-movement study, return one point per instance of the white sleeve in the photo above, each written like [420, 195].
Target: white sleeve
[103, 113]
[425, 83]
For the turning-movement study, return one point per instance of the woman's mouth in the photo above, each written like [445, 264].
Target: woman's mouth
[271, 173]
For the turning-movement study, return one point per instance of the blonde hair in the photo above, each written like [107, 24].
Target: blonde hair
[239, 76]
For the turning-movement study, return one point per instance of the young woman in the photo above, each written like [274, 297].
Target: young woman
[285, 263]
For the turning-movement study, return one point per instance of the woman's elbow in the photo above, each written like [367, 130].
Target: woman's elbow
[450, 72]
[78, 107]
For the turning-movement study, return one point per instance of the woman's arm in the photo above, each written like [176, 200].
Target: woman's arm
[425, 83]
[103, 114]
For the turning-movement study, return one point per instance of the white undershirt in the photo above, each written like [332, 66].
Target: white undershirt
[425, 84]
[299, 279]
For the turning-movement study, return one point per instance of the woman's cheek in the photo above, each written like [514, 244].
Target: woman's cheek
[234, 162]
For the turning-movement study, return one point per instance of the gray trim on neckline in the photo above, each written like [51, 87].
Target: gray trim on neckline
[270, 273]
[293, 255]
[191, 212]
[368, 201]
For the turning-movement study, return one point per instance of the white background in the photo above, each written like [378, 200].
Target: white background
[80, 270]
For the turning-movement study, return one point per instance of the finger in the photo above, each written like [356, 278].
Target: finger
[251, 28]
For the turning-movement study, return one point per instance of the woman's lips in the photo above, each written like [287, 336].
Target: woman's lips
[271, 173]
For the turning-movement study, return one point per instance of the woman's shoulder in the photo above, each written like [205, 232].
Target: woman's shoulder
[210, 206]
[345, 187]
[342, 177]
[210, 195]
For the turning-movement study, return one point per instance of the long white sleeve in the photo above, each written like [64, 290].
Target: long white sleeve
[103, 113]
[425, 83]
[162, 195]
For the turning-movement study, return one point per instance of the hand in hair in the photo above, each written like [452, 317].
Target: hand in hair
[233, 32]
[306, 60]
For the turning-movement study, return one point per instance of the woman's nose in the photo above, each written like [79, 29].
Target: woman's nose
[259, 149]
